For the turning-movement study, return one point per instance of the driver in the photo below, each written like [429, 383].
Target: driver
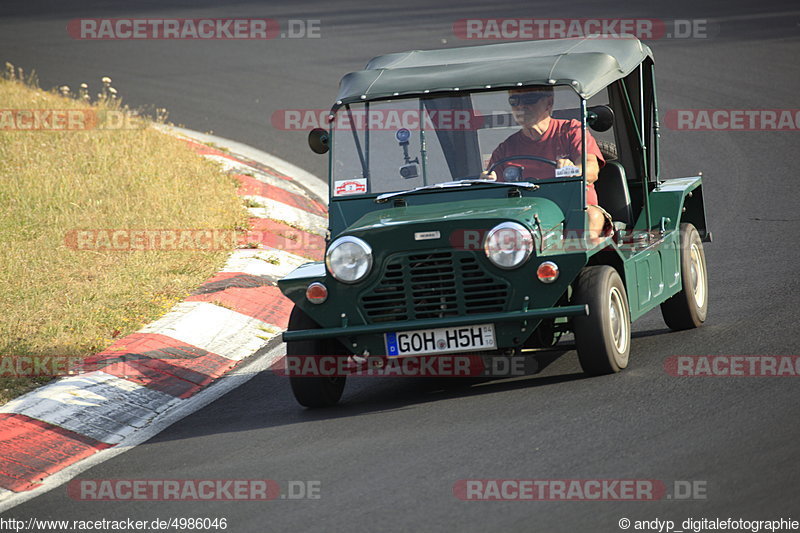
[551, 138]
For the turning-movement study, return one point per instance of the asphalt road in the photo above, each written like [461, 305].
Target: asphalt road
[388, 457]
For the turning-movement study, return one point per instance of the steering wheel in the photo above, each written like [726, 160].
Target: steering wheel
[527, 157]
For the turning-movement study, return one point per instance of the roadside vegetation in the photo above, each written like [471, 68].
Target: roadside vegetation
[56, 300]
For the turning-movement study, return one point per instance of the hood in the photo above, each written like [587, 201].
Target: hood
[469, 213]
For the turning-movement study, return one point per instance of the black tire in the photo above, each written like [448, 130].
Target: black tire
[688, 308]
[608, 150]
[313, 392]
[603, 338]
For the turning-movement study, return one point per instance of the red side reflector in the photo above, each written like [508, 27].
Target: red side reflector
[317, 293]
[547, 272]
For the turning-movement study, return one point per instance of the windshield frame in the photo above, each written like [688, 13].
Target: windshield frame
[364, 156]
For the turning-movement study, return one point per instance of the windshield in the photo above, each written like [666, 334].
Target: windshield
[522, 135]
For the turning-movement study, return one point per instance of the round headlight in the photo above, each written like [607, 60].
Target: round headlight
[349, 259]
[508, 245]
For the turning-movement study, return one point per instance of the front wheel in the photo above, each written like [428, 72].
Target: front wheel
[688, 308]
[603, 338]
[313, 392]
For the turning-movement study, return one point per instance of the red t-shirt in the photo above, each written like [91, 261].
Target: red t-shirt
[562, 140]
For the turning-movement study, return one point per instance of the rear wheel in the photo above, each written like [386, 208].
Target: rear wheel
[603, 338]
[688, 308]
[314, 392]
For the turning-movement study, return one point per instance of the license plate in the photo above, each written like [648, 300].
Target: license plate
[440, 340]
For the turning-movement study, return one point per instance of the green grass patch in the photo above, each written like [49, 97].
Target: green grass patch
[60, 301]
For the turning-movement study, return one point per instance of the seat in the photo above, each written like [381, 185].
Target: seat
[612, 193]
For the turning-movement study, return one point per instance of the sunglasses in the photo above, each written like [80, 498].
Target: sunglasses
[525, 99]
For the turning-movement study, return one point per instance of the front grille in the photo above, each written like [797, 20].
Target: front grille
[433, 285]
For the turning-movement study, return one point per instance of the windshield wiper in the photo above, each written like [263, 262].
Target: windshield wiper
[460, 183]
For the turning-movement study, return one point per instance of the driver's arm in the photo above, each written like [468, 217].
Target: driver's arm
[592, 167]
[499, 153]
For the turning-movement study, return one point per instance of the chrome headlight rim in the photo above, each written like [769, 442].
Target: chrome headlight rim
[366, 248]
[526, 239]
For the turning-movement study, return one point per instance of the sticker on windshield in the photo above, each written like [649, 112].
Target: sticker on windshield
[353, 186]
[568, 172]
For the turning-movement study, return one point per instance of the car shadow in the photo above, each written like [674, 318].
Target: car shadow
[650, 333]
[266, 401]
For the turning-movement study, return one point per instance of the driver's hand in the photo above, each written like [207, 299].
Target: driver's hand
[491, 176]
[565, 163]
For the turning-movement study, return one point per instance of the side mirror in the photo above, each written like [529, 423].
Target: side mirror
[318, 140]
[600, 117]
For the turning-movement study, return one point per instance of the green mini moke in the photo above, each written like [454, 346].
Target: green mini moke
[447, 238]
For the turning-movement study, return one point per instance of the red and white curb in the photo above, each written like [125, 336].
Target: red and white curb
[172, 367]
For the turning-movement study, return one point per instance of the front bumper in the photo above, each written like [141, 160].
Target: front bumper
[385, 327]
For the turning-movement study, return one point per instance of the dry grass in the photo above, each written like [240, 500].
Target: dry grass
[59, 301]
